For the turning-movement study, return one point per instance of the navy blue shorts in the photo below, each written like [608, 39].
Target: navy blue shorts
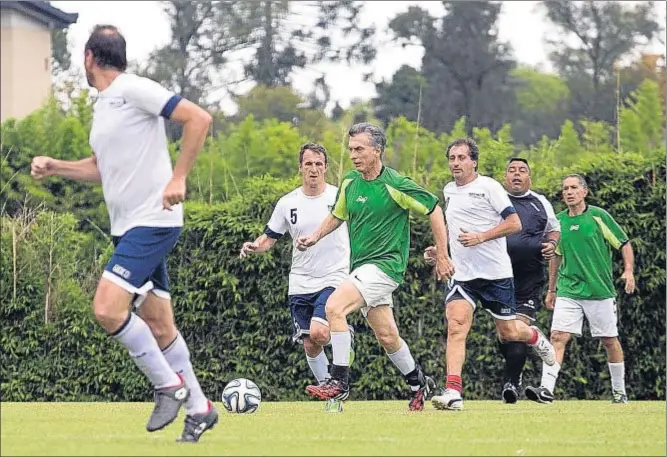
[307, 307]
[138, 263]
[495, 295]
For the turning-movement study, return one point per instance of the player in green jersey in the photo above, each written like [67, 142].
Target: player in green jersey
[376, 200]
[581, 285]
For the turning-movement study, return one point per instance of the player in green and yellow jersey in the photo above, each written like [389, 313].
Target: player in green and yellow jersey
[376, 201]
[581, 285]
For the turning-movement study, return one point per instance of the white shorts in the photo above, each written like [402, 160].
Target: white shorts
[374, 285]
[600, 314]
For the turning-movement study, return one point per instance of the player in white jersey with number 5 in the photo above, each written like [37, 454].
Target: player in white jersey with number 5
[479, 216]
[143, 197]
[315, 273]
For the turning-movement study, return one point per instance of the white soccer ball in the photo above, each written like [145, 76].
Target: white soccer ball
[241, 396]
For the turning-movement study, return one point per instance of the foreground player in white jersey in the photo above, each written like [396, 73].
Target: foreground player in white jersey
[143, 197]
[479, 216]
[315, 273]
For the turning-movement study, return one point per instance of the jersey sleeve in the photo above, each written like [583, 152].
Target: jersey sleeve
[277, 225]
[611, 231]
[553, 224]
[339, 210]
[412, 197]
[151, 97]
[499, 199]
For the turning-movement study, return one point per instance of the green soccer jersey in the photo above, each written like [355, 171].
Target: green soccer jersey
[586, 240]
[377, 215]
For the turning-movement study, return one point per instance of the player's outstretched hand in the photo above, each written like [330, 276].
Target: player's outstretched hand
[304, 242]
[247, 248]
[470, 239]
[174, 193]
[42, 166]
[629, 279]
[430, 254]
[444, 268]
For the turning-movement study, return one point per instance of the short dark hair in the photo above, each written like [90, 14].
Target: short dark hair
[108, 47]
[315, 147]
[519, 159]
[473, 149]
[378, 138]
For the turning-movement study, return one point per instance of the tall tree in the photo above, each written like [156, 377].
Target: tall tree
[293, 35]
[603, 33]
[203, 34]
[400, 96]
[465, 65]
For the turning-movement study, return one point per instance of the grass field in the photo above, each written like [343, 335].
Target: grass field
[363, 428]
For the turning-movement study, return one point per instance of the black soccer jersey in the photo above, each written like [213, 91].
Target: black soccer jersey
[525, 248]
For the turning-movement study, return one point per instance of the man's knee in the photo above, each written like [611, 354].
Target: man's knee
[335, 309]
[558, 337]
[458, 315]
[319, 335]
[387, 336]
[110, 305]
[610, 342]
[508, 331]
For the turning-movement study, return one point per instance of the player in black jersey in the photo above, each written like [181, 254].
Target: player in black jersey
[528, 251]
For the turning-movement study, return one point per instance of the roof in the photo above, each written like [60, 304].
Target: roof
[43, 12]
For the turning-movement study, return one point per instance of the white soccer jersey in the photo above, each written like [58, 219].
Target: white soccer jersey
[130, 144]
[328, 262]
[477, 207]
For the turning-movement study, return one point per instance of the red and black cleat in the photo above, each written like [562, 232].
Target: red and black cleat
[420, 396]
[331, 389]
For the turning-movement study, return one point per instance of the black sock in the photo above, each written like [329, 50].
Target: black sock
[416, 378]
[342, 373]
[515, 353]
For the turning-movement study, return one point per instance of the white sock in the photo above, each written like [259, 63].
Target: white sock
[341, 342]
[136, 336]
[617, 371]
[319, 366]
[178, 357]
[404, 361]
[549, 376]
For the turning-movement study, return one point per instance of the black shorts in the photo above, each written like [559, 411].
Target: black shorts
[528, 306]
[495, 295]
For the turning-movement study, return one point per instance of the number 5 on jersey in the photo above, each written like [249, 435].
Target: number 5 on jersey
[292, 215]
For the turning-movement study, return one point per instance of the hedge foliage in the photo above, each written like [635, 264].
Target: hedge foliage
[234, 315]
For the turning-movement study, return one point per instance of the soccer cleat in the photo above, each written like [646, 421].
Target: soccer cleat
[449, 399]
[331, 389]
[539, 394]
[543, 348]
[197, 424]
[168, 402]
[510, 393]
[620, 397]
[351, 344]
[420, 396]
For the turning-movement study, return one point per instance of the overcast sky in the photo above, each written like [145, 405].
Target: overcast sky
[145, 27]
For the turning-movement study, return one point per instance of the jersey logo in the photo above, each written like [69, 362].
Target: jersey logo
[574, 227]
[362, 199]
[476, 194]
[535, 206]
[330, 207]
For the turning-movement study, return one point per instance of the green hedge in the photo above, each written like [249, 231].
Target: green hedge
[235, 318]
